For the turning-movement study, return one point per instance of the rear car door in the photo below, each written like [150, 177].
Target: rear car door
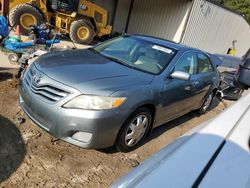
[205, 78]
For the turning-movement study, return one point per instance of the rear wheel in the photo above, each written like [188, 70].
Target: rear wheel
[25, 15]
[134, 130]
[82, 32]
[206, 104]
[238, 93]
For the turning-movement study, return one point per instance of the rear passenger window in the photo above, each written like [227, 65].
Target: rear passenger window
[186, 63]
[204, 64]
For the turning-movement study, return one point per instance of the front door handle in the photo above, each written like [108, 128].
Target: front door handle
[191, 85]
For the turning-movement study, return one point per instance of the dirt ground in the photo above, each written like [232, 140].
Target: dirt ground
[30, 157]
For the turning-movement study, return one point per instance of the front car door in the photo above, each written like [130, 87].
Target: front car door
[176, 96]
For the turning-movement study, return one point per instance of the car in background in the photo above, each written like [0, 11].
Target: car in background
[228, 66]
[229, 63]
[116, 92]
[247, 55]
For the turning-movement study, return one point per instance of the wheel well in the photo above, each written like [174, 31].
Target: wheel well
[215, 91]
[152, 109]
[89, 19]
[93, 23]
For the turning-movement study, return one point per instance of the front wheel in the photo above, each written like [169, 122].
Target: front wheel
[82, 32]
[134, 130]
[206, 104]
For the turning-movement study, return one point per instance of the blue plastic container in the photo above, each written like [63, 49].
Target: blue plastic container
[4, 30]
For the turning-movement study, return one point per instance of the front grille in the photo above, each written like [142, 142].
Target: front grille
[46, 91]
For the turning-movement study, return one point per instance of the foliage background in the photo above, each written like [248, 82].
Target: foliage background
[240, 6]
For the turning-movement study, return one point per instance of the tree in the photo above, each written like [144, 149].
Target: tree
[240, 6]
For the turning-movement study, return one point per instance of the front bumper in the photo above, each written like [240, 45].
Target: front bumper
[64, 123]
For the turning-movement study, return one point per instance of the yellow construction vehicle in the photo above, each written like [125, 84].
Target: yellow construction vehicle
[81, 19]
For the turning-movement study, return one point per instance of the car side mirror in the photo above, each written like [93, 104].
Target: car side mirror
[180, 75]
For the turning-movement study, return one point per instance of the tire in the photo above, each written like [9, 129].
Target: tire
[206, 104]
[82, 32]
[239, 93]
[13, 57]
[134, 140]
[25, 15]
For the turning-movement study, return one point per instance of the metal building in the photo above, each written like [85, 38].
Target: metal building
[198, 23]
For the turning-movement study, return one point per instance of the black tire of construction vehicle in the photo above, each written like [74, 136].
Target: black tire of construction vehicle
[82, 32]
[25, 15]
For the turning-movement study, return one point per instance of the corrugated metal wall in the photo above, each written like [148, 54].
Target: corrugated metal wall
[121, 15]
[161, 18]
[213, 29]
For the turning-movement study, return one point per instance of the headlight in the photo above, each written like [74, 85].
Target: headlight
[90, 102]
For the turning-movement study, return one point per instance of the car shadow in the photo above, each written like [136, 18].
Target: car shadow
[169, 125]
[174, 123]
[12, 148]
[5, 75]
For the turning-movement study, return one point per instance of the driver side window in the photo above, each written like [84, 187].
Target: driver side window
[186, 63]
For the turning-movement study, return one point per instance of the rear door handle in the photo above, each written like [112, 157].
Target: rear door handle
[195, 83]
[188, 87]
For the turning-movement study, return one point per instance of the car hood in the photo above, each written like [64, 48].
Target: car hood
[226, 69]
[89, 72]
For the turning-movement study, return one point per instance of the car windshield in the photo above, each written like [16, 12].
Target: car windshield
[230, 61]
[137, 53]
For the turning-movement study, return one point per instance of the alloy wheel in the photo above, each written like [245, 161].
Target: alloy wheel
[136, 130]
[208, 102]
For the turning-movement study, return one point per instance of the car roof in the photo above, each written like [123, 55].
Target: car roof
[227, 56]
[215, 59]
[163, 42]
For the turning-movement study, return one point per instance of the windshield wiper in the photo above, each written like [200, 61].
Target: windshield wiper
[93, 50]
[118, 61]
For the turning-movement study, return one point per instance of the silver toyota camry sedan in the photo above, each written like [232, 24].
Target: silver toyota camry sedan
[116, 92]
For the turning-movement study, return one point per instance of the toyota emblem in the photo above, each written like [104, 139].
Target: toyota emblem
[37, 78]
